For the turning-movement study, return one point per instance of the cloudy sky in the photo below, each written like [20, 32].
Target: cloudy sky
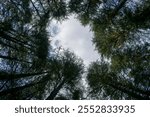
[77, 38]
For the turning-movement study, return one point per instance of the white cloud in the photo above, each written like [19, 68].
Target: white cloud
[77, 38]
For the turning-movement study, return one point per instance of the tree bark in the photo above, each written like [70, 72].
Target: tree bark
[55, 91]
[128, 91]
[11, 90]
[14, 40]
[14, 59]
[6, 76]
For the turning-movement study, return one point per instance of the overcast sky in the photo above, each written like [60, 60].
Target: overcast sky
[77, 38]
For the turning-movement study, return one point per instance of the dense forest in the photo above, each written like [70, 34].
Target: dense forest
[31, 68]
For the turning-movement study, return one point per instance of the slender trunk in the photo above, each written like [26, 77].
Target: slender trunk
[11, 90]
[37, 11]
[17, 49]
[12, 2]
[55, 91]
[7, 45]
[6, 76]
[127, 91]
[21, 36]
[136, 90]
[42, 6]
[14, 40]
[14, 59]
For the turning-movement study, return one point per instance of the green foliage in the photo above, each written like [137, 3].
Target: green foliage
[121, 31]
[27, 69]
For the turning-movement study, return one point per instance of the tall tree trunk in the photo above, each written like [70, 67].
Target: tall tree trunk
[14, 40]
[55, 91]
[11, 90]
[7, 45]
[14, 59]
[6, 76]
[127, 91]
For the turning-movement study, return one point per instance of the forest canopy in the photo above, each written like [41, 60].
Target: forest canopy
[31, 68]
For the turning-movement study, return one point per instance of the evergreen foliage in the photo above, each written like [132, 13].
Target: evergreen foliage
[30, 68]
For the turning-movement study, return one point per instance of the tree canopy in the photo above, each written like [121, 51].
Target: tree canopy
[30, 68]
[121, 36]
